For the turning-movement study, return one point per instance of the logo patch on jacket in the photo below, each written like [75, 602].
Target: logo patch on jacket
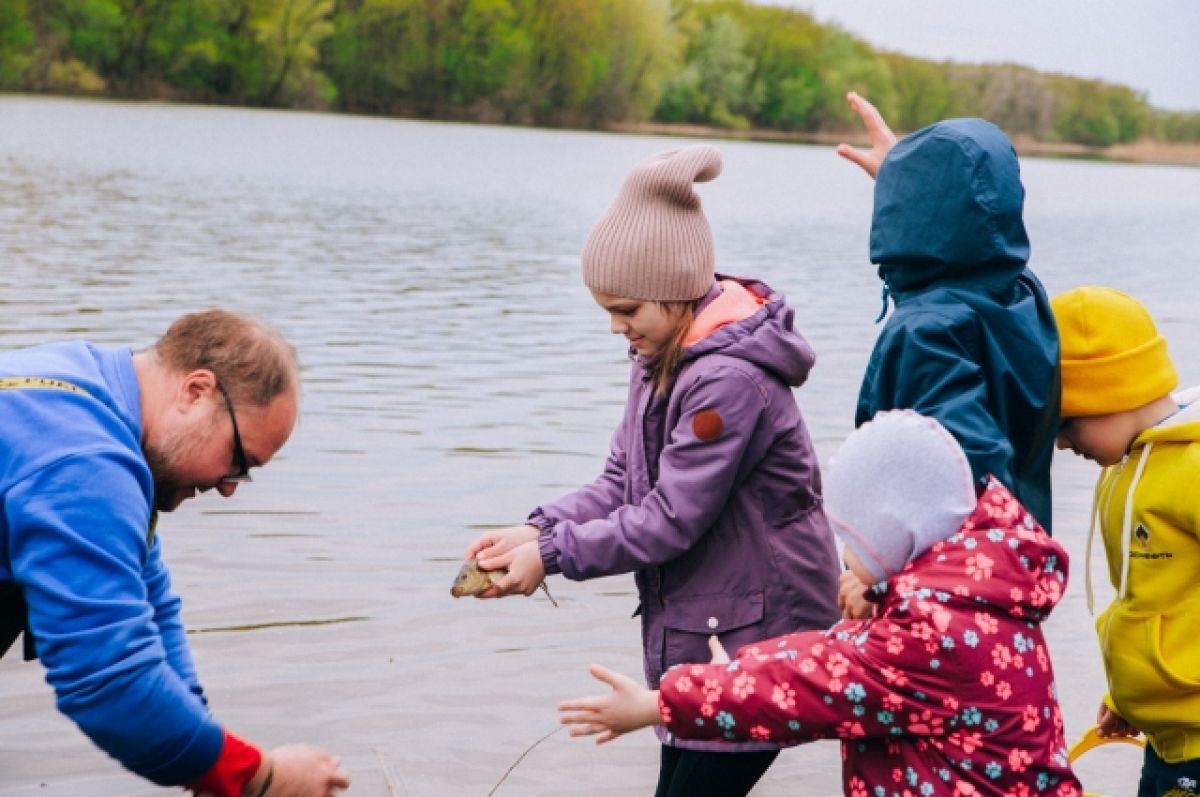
[1142, 535]
[707, 425]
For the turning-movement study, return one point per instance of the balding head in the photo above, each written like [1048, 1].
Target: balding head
[253, 362]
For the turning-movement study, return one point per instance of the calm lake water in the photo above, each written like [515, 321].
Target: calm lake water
[456, 375]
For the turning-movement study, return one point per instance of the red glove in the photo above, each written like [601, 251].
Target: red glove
[236, 765]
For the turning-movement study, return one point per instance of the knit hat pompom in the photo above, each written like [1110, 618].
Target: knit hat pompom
[653, 243]
[899, 484]
[1113, 358]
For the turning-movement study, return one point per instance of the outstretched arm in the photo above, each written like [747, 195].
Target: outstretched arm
[882, 137]
[627, 708]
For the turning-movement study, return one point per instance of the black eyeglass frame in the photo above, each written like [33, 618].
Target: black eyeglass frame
[242, 474]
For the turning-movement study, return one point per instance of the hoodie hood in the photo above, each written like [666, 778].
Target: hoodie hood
[765, 337]
[899, 484]
[1182, 427]
[948, 204]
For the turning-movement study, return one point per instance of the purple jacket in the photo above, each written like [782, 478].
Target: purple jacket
[712, 497]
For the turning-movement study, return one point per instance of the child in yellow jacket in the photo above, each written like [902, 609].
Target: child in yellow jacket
[1118, 410]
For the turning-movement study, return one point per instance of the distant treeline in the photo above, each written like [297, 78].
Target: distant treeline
[580, 63]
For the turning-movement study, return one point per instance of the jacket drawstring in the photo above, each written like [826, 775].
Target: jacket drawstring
[1087, 554]
[1127, 522]
[883, 298]
[1099, 500]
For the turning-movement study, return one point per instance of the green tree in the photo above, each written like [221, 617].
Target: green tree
[635, 50]
[713, 87]
[16, 37]
[849, 64]
[1088, 115]
[924, 92]
[289, 34]
[783, 46]
[1020, 100]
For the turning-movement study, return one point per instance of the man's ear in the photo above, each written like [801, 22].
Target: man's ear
[195, 386]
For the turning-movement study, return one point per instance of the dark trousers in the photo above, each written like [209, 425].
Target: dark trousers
[1160, 779]
[693, 773]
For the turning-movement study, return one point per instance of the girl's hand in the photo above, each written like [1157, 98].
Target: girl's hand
[1113, 724]
[525, 573]
[627, 708]
[490, 550]
[882, 137]
[719, 655]
[852, 597]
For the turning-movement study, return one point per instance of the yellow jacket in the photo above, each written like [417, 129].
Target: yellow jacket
[1148, 506]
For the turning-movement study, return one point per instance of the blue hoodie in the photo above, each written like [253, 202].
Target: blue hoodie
[77, 498]
[972, 341]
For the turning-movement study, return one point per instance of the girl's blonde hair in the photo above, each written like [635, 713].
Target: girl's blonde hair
[666, 364]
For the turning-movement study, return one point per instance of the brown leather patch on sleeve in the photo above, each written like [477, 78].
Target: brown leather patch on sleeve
[707, 425]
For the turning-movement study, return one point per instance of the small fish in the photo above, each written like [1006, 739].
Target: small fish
[472, 581]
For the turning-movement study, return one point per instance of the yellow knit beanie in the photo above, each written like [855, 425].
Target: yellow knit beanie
[1113, 358]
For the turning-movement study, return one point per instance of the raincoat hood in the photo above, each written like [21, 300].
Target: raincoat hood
[765, 337]
[948, 203]
[1000, 561]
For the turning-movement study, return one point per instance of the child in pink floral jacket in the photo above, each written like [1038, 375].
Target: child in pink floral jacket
[946, 690]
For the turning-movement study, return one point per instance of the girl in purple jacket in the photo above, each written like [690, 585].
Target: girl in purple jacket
[946, 690]
[711, 494]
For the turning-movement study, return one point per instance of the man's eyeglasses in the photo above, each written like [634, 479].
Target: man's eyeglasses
[242, 474]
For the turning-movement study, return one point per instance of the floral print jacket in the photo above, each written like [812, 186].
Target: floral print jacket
[946, 690]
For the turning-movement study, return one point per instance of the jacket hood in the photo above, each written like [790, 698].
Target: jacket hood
[1182, 427]
[948, 204]
[766, 337]
[1000, 559]
[899, 484]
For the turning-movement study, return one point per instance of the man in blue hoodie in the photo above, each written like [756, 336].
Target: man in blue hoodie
[94, 442]
[972, 341]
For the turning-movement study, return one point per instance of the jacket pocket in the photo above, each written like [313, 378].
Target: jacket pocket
[735, 619]
[1151, 665]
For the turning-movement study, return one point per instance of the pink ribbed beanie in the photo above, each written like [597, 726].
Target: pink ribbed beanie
[653, 243]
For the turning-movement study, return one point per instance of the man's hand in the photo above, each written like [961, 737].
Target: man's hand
[882, 137]
[299, 770]
[627, 708]
[852, 597]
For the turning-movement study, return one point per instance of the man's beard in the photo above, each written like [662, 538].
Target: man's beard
[162, 460]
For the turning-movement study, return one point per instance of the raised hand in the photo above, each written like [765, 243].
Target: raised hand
[882, 137]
